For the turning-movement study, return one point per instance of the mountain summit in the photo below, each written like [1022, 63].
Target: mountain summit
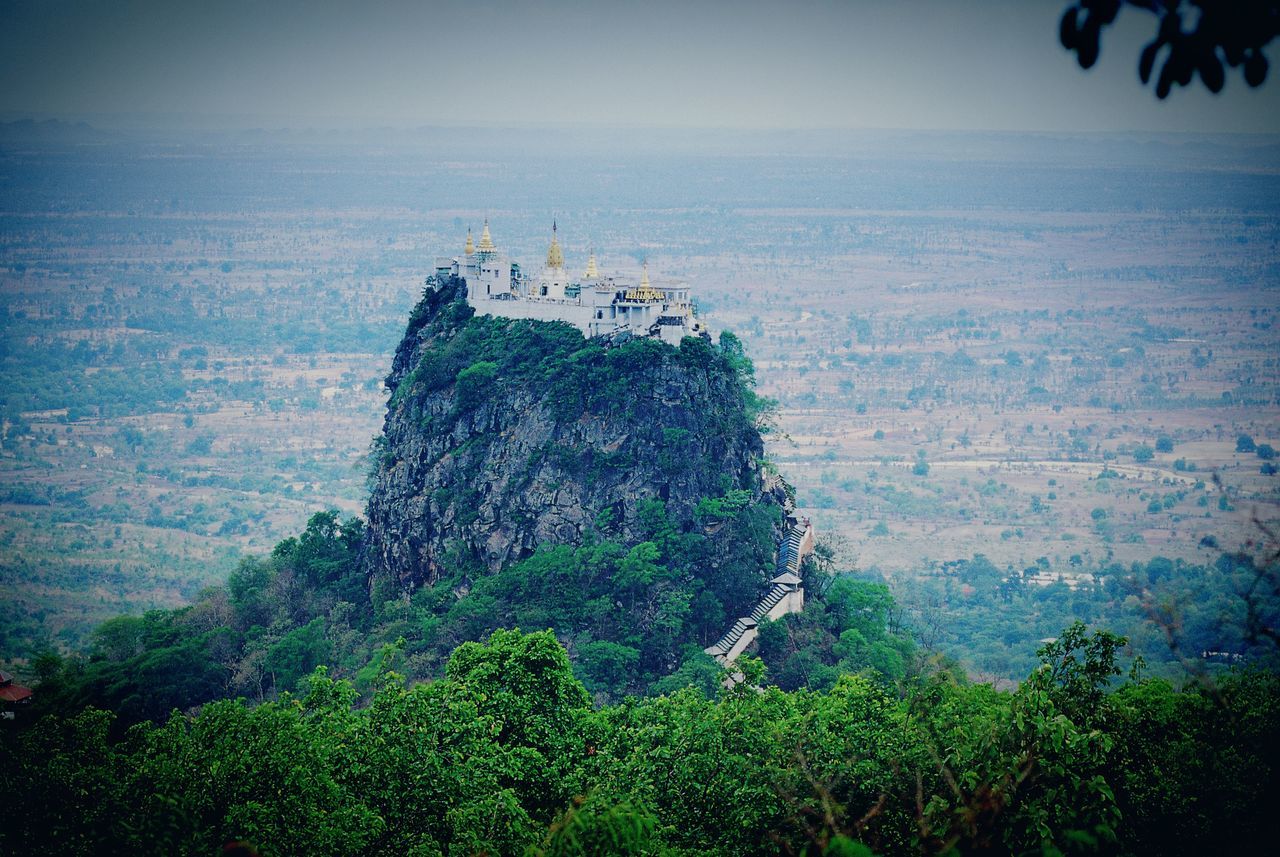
[505, 436]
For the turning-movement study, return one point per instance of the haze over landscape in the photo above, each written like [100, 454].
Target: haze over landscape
[918, 64]
[1006, 329]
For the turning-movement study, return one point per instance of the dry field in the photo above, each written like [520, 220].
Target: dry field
[1023, 350]
[1158, 327]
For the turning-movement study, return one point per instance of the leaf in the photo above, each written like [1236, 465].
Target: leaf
[1067, 30]
[1255, 69]
[1088, 50]
[1186, 69]
[1147, 61]
[1165, 83]
[1211, 73]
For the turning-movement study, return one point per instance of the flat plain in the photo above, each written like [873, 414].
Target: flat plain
[1044, 351]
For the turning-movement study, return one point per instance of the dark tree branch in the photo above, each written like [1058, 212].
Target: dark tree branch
[1193, 37]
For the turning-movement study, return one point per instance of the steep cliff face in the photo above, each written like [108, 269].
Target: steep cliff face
[502, 436]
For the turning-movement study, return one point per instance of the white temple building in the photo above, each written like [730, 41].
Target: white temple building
[594, 303]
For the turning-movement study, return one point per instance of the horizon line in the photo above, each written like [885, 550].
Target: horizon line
[253, 123]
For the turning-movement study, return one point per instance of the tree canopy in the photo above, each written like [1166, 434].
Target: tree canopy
[507, 755]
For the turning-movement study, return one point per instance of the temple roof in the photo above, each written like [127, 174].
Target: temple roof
[645, 293]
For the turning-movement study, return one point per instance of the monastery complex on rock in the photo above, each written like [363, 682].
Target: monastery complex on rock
[594, 303]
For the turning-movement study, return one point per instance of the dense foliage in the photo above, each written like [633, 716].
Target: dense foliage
[1177, 616]
[634, 619]
[506, 755]
[848, 626]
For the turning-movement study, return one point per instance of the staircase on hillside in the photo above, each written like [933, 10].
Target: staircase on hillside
[726, 644]
[785, 595]
[776, 593]
[789, 552]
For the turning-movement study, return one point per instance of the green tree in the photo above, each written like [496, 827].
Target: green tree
[473, 384]
[606, 665]
[62, 791]
[697, 670]
[525, 684]
[700, 762]
[1076, 670]
[1004, 763]
[428, 758]
[596, 826]
[297, 654]
[259, 775]
[850, 775]
[119, 639]
[860, 605]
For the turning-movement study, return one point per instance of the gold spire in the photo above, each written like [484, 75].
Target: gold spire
[593, 273]
[471, 245]
[486, 241]
[555, 256]
[645, 293]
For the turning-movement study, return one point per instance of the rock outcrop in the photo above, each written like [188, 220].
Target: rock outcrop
[505, 435]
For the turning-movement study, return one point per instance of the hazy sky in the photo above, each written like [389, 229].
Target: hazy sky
[948, 64]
